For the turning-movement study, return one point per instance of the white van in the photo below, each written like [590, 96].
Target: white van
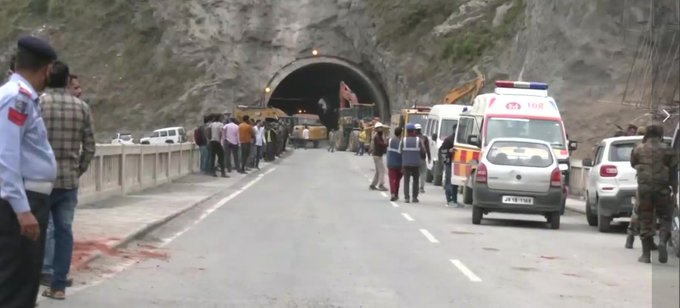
[439, 125]
[166, 136]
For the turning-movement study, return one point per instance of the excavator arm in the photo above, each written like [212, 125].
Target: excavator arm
[470, 88]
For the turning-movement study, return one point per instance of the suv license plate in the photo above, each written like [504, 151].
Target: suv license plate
[518, 200]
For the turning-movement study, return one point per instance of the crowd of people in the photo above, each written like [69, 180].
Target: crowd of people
[238, 145]
[46, 145]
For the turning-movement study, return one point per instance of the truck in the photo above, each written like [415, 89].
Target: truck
[317, 131]
[352, 117]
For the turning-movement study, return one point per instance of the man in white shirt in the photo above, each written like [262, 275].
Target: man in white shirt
[259, 142]
[305, 136]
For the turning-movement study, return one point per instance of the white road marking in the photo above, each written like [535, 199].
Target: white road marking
[429, 236]
[384, 194]
[394, 204]
[466, 271]
[214, 208]
[122, 266]
[407, 216]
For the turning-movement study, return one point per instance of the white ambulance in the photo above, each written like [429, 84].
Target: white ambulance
[515, 110]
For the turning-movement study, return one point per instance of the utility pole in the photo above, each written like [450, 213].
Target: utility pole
[653, 97]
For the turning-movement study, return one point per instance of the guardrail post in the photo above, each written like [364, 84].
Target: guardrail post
[123, 171]
[168, 163]
[140, 172]
[99, 173]
[155, 165]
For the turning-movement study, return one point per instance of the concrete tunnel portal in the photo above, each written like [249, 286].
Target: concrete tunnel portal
[300, 86]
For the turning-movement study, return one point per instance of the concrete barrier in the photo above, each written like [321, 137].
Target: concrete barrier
[578, 178]
[123, 169]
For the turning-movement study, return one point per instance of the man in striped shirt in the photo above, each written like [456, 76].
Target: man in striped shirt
[69, 128]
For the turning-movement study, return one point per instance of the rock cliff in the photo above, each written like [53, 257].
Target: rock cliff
[150, 63]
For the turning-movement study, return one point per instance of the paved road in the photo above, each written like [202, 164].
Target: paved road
[309, 234]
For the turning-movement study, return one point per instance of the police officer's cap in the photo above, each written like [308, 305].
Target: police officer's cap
[37, 46]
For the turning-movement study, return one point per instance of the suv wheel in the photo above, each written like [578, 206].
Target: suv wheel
[477, 215]
[592, 218]
[603, 222]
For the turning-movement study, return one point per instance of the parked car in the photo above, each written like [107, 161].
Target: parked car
[519, 176]
[166, 136]
[675, 224]
[122, 138]
[612, 181]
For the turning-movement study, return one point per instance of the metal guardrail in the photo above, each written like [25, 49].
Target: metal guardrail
[123, 169]
[578, 178]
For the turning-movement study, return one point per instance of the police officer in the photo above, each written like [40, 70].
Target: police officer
[656, 167]
[27, 171]
[412, 149]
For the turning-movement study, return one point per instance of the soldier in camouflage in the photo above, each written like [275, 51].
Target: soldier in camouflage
[634, 226]
[656, 167]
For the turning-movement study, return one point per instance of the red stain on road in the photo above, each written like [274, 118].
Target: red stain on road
[84, 251]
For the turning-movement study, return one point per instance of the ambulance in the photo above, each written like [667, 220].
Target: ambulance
[515, 110]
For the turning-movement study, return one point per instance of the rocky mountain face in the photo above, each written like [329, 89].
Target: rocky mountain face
[150, 63]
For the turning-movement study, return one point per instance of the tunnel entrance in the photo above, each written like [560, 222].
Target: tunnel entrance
[311, 85]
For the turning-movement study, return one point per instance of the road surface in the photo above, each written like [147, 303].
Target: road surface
[307, 232]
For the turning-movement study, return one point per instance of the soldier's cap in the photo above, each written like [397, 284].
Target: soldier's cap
[641, 131]
[410, 127]
[37, 46]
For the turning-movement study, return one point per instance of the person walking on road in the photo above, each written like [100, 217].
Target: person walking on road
[412, 150]
[69, 128]
[363, 139]
[231, 142]
[380, 147]
[245, 132]
[394, 167]
[259, 143]
[28, 169]
[425, 159]
[202, 143]
[331, 141]
[445, 152]
[656, 165]
[216, 151]
[305, 137]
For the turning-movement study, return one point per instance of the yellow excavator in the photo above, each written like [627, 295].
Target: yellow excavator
[470, 88]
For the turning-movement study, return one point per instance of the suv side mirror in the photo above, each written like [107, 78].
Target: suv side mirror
[573, 145]
[434, 137]
[474, 140]
[587, 162]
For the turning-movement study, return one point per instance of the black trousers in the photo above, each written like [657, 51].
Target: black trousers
[411, 172]
[245, 155]
[216, 151]
[21, 258]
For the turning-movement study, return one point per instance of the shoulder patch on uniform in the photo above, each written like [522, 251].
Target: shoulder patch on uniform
[17, 117]
[25, 92]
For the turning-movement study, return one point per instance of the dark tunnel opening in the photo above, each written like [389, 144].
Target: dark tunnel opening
[302, 91]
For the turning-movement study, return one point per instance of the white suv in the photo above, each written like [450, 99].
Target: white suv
[166, 136]
[122, 138]
[612, 184]
[675, 225]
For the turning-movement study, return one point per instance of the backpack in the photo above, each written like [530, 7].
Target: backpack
[199, 136]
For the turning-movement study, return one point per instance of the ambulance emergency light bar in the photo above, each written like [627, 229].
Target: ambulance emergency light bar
[522, 85]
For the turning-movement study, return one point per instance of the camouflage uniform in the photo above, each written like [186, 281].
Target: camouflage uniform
[654, 162]
[634, 226]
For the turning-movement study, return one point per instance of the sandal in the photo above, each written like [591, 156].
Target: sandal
[54, 294]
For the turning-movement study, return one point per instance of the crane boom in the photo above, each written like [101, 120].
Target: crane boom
[470, 88]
